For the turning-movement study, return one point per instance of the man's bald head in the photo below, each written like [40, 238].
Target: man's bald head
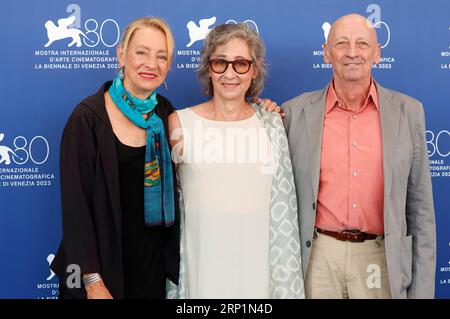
[354, 20]
[352, 48]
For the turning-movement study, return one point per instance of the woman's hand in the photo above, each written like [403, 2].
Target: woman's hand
[98, 290]
[269, 105]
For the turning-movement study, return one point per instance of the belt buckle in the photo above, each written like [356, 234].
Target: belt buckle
[353, 235]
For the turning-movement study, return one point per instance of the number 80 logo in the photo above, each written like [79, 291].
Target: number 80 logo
[436, 143]
[91, 27]
[25, 151]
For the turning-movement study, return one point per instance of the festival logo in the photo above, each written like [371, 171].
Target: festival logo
[49, 260]
[197, 33]
[6, 153]
[445, 55]
[73, 44]
[190, 58]
[326, 26]
[438, 143]
[49, 288]
[443, 274]
[62, 31]
[21, 162]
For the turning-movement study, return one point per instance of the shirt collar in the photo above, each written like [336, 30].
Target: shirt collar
[332, 99]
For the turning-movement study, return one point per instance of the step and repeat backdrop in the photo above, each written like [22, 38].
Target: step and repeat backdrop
[56, 52]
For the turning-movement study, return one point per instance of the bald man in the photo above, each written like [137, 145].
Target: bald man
[364, 194]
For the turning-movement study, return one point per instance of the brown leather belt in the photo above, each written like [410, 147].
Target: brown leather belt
[348, 235]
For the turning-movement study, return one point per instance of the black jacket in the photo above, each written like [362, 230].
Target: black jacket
[90, 199]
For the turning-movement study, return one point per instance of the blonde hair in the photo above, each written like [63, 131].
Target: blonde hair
[149, 22]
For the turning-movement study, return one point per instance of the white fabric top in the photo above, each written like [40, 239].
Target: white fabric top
[226, 182]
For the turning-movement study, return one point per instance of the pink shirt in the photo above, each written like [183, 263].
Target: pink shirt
[351, 168]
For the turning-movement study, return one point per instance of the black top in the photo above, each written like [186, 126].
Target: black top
[143, 247]
[91, 200]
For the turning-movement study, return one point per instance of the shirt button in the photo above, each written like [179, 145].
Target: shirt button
[354, 144]
[355, 173]
[354, 205]
[314, 206]
[308, 243]
[354, 116]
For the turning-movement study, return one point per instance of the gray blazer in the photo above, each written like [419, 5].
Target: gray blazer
[409, 222]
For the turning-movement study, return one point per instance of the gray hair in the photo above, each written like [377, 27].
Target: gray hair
[220, 35]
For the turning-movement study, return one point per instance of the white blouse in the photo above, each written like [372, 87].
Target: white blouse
[225, 176]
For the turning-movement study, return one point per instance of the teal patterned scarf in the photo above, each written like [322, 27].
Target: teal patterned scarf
[158, 192]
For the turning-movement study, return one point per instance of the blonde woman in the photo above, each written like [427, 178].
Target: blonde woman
[118, 206]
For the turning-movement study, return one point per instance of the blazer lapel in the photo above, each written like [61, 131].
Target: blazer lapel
[390, 119]
[314, 115]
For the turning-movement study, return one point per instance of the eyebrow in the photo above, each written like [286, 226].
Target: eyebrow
[224, 56]
[347, 38]
[148, 49]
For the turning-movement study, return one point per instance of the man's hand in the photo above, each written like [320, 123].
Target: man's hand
[269, 105]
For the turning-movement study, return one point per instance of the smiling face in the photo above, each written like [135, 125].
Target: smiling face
[231, 85]
[352, 48]
[145, 61]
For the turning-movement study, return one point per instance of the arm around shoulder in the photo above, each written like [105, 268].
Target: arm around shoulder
[176, 137]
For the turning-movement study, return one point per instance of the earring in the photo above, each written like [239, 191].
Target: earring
[121, 75]
[165, 85]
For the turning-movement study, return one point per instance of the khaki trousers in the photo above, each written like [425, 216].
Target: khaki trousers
[342, 270]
